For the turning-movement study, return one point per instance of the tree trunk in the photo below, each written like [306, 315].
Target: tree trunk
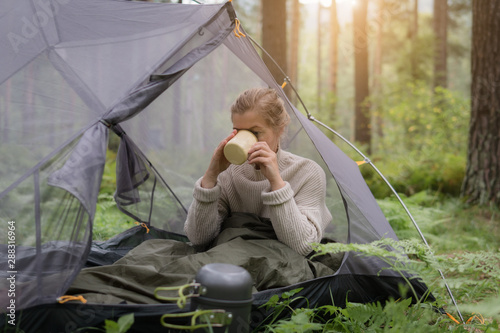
[377, 65]
[274, 36]
[28, 109]
[362, 127]
[440, 42]
[414, 37]
[6, 112]
[176, 117]
[415, 20]
[294, 47]
[318, 62]
[334, 53]
[482, 178]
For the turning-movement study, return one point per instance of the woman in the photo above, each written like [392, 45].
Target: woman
[287, 189]
[275, 186]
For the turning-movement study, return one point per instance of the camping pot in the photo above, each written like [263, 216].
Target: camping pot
[228, 288]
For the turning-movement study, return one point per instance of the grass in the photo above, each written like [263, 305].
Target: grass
[109, 220]
[447, 224]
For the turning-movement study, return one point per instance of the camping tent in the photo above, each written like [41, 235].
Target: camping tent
[161, 77]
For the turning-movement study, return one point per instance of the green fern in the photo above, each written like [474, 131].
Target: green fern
[122, 325]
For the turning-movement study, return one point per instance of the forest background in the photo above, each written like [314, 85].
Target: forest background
[411, 120]
[397, 78]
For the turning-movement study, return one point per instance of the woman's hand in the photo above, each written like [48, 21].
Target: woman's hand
[263, 158]
[218, 163]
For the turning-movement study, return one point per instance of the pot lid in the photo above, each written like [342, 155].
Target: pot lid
[225, 282]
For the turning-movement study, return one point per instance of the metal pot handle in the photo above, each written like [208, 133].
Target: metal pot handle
[195, 290]
[208, 318]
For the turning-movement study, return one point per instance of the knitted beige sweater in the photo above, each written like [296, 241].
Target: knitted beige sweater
[297, 211]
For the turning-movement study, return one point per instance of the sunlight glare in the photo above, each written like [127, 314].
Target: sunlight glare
[324, 3]
[328, 3]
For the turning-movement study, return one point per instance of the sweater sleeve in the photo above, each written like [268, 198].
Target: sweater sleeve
[203, 219]
[300, 217]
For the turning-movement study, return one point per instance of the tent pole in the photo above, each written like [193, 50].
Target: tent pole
[367, 160]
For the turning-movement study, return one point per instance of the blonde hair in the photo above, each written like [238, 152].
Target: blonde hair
[266, 102]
